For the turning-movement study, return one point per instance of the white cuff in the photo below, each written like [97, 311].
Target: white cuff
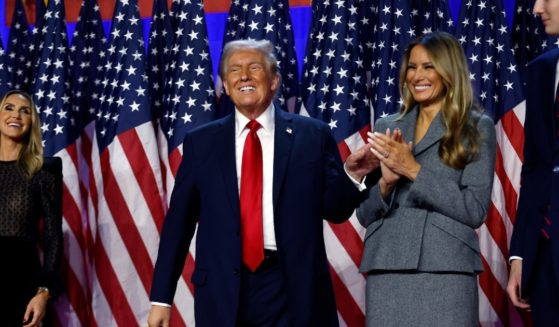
[161, 304]
[360, 185]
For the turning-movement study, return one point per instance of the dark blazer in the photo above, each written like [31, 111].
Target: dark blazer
[541, 154]
[309, 185]
[429, 225]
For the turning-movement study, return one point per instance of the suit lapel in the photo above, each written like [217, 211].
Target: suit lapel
[284, 134]
[407, 125]
[225, 152]
[433, 135]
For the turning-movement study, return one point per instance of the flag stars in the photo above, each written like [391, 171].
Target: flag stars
[131, 70]
[141, 91]
[191, 102]
[509, 85]
[511, 68]
[473, 58]
[257, 9]
[186, 118]
[193, 35]
[253, 26]
[336, 107]
[135, 106]
[58, 129]
[51, 95]
[207, 106]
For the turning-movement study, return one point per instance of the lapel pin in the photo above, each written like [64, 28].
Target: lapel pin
[289, 130]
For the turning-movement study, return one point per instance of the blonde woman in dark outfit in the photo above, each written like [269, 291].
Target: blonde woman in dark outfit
[30, 190]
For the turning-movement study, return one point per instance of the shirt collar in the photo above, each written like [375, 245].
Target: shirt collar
[266, 120]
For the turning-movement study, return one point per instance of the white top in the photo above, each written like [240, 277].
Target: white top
[266, 136]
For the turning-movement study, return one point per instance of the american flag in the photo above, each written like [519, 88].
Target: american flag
[189, 96]
[126, 187]
[368, 12]
[40, 8]
[85, 55]
[393, 31]
[270, 20]
[483, 32]
[60, 130]
[4, 75]
[37, 34]
[334, 90]
[19, 61]
[188, 102]
[50, 88]
[431, 15]
[159, 50]
[528, 34]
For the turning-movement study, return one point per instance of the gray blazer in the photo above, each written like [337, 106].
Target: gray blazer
[429, 225]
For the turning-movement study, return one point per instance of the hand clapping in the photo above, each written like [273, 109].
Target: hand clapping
[394, 154]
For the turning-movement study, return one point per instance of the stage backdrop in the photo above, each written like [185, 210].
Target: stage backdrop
[216, 16]
[119, 169]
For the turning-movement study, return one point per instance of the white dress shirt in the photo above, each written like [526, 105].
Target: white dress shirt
[266, 136]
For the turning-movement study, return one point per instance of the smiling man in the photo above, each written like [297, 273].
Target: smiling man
[259, 182]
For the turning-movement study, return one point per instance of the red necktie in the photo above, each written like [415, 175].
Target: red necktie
[251, 199]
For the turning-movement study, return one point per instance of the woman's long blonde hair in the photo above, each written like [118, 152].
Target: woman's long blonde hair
[30, 158]
[460, 143]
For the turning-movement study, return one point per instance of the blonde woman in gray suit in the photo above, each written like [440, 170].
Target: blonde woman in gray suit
[437, 159]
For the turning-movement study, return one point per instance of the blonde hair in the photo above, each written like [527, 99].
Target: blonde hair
[30, 159]
[460, 143]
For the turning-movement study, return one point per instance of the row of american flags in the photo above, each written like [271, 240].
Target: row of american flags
[115, 108]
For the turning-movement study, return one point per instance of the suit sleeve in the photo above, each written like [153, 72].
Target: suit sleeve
[466, 201]
[374, 207]
[341, 196]
[178, 229]
[533, 195]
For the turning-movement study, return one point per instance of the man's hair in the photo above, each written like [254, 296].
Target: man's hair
[263, 46]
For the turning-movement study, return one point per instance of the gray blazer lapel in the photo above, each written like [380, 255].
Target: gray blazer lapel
[225, 156]
[433, 135]
[284, 134]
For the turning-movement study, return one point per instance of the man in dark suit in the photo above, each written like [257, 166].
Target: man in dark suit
[260, 254]
[534, 274]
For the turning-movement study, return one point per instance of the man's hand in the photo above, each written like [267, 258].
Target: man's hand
[513, 286]
[361, 162]
[159, 316]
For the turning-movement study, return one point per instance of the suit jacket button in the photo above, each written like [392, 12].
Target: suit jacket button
[556, 169]
[235, 271]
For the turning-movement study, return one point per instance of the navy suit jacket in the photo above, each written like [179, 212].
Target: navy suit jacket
[309, 185]
[540, 156]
